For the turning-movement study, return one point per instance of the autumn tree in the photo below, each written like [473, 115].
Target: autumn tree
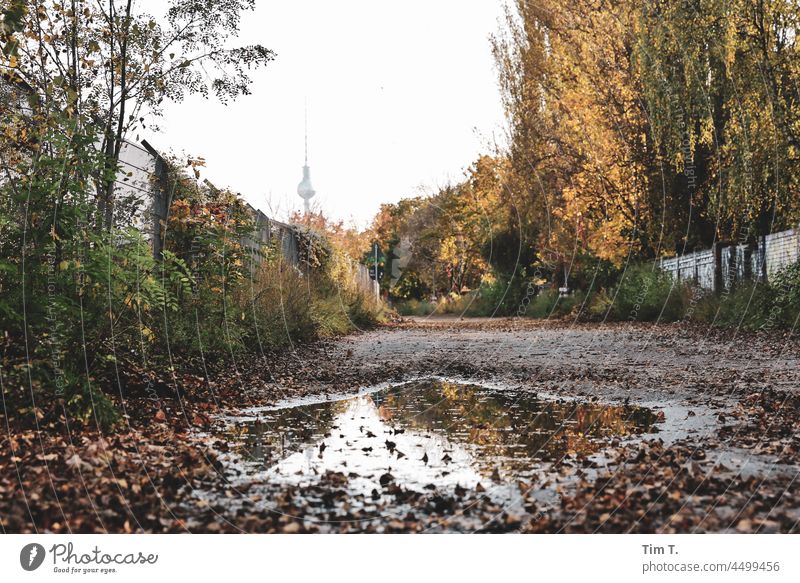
[111, 65]
[445, 242]
[720, 81]
[81, 295]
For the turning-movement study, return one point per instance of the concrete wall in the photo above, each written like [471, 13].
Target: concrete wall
[725, 266]
[696, 267]
[781, 250]
[364, 282]
[137, 192]
[144, 185]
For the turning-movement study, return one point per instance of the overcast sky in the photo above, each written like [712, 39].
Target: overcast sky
[401, 96]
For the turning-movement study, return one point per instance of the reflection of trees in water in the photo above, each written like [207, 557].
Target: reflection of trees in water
[280, 433]
[511, 425]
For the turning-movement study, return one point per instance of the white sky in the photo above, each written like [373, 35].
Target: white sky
[401, 95]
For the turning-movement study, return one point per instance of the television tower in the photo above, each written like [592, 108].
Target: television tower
[304, 189]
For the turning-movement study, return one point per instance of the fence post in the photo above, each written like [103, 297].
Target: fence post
[747, 259]
[162, 199]
[717, 250]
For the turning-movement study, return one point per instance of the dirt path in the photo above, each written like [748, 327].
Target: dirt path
[613, 361]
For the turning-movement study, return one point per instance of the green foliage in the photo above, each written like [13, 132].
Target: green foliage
[82, 300]
[88, 405]
[743, 307]
[755, 306]
[645, 293]
[549, 304]
[497, 300]
[363, 311]
[415, 307]
[507, 296]
[244, 297]
[443, 243]
[785, 295]
[330, 318]
[61, 275]
[83, 308]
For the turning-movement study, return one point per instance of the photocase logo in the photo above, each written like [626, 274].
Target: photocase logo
[399, 258]
[31, 556]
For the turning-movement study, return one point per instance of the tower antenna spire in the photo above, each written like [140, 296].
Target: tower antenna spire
[305, 122]
[304, 189]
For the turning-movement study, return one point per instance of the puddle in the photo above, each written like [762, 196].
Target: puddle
[428, 436]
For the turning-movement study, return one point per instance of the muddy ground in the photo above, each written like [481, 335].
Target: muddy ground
[726, 459]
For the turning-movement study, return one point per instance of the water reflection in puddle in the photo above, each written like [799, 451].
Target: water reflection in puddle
[430, 435]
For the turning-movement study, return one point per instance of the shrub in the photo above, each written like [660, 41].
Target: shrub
[599, 306]
[756, 306]
[550, 304]
[645, 293]
[785, 298]
[415, 308]
[364, 311]
[101, 310]
[506, 296]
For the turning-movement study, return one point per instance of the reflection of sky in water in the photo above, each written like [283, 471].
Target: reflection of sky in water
[360, 426]
[440, 434]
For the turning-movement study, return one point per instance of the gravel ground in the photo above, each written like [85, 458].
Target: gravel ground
[680, 363]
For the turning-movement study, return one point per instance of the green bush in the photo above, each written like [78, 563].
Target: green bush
[415, 307]
[550, 304]
[100, 310]
[642, 293]
[505, 296]
[785, 298]
[645, 293]
[756, 306]
[599, 306]
[364, 311]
